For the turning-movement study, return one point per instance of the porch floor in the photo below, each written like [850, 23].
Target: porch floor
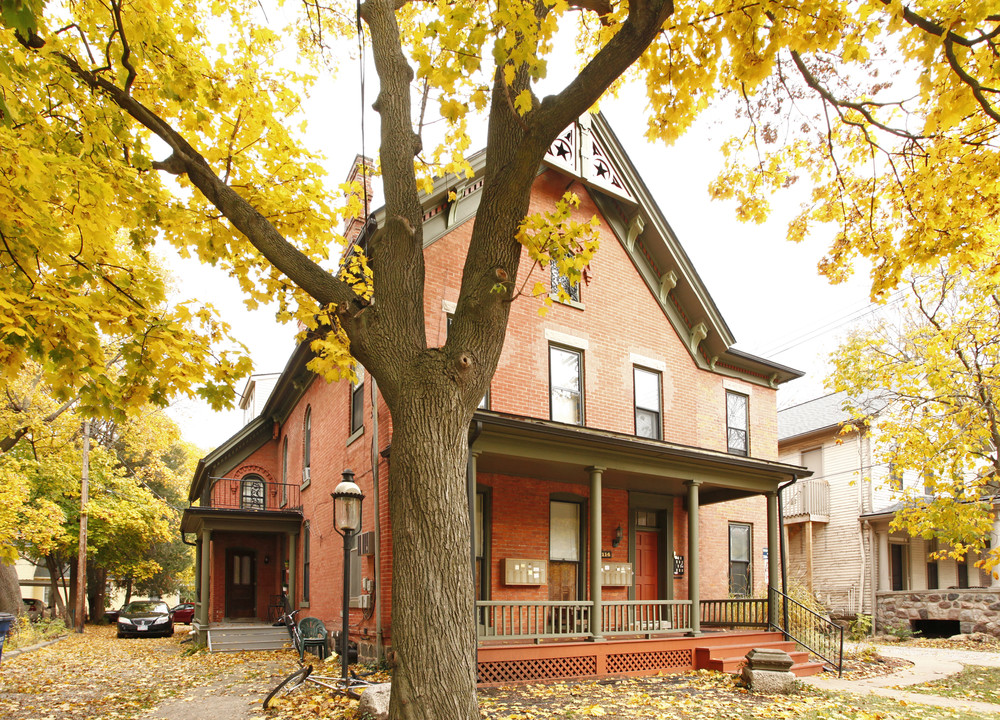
[505, 664]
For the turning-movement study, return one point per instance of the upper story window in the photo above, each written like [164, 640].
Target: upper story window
[252, 492]
[566, 385]
[358, 400]
[813, 460]
[647, 403]
[737, 423]
[561, 282]
[306, 447]
[284, 472]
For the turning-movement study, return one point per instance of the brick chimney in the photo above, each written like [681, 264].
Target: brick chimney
[361, 172]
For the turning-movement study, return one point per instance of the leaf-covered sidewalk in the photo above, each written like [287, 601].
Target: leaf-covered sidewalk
[96, 675]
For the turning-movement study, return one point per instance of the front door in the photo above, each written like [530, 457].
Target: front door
[647, 565]
[241, 584]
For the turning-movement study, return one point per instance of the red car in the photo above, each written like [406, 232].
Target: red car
[183, 613]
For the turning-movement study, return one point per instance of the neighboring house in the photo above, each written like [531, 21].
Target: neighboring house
[630, 393]
[838, 539]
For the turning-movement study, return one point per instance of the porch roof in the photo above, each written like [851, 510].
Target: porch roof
[515, 445]
[196, 519]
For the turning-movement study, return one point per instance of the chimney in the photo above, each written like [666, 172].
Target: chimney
[361, 172]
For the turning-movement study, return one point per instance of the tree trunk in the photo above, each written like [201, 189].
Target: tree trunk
[54, 565]
[128, 591]
[10, 590]
[97, 580]
[433, 602]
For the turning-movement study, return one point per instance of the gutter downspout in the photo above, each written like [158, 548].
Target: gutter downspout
[861, 536]
[781, 547]
[379, 650]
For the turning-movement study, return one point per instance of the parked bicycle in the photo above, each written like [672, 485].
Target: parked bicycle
[304, 673]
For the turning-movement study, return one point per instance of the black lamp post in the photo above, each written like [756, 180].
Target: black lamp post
[347, 498]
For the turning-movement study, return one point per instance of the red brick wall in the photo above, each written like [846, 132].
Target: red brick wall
[713, 543]
[268, 574]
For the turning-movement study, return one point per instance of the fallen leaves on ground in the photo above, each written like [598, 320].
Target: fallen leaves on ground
[981, 684]
[866, 662]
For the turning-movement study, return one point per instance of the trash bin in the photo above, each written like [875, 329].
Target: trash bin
[5, 620]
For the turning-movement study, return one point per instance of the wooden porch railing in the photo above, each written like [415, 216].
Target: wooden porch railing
[735, 612]
[532, 620]
[649, 617]
[809, 497]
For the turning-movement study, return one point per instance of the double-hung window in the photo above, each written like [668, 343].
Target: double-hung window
[284, 472]
[358, 400]
[307, 448]
[737, 423]
[647, 403]
[566, 385]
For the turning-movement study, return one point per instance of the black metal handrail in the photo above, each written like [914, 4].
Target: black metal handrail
[817, 634]
[254, 494]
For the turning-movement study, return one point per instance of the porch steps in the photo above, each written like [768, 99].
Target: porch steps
[730, 658]
[248, 637]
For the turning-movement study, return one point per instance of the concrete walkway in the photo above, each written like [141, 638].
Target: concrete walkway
[928, 664]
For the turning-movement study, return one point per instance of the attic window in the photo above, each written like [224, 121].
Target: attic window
[561, 282]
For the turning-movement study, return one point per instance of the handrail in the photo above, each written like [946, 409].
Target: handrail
[815, 633]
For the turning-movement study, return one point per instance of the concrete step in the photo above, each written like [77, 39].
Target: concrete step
[730, 658]
[247, 638]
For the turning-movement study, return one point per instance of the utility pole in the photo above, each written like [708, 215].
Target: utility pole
[81, 563]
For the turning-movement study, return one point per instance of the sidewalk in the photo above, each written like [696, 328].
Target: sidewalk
[928, 664]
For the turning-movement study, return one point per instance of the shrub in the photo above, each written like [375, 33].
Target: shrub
[860, 627]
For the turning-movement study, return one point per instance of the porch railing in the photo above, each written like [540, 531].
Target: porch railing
[809, 497]
[532, 620]
[735, 612]
[649, 617]
[815, 633]
[254, 494]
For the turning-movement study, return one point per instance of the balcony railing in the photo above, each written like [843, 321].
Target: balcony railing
[564, 620]
[254, 495]
[809, 497]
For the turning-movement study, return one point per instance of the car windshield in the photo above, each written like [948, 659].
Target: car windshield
[145, 606]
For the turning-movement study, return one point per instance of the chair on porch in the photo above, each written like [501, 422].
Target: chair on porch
[314, 636]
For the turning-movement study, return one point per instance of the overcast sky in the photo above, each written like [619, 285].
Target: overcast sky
[767, 288]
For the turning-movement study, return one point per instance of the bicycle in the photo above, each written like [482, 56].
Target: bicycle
[304, 673]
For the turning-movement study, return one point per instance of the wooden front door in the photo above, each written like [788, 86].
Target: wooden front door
[241, 584]
[562, 580]
[647, 565]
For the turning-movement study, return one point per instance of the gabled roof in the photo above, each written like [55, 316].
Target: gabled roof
[591, 152]
[822, 413]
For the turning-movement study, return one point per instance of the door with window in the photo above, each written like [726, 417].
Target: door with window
[241, 583]
[740, 583]
[564, 550]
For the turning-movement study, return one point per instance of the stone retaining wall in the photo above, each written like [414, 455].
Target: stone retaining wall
[975, 610]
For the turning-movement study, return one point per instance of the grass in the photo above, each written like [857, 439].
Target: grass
[973, 683]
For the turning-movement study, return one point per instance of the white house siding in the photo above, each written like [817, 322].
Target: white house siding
[841, 578]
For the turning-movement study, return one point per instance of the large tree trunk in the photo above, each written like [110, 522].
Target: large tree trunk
[97, 580]
[10, 590]
[433, 601]
[54, 565]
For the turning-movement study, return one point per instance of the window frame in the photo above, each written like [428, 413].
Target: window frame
[259, 503]
[307, 448]
[357, 421]
[557, 281]
[730, 448]
[306, 560]
[658, 425]
[579, 392]
[748, 574]
[284, 472]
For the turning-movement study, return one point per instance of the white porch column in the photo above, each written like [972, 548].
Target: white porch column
[883, 560]
[694, 591]
[595, 553]
[205, 547]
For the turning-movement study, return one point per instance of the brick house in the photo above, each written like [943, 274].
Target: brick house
[621, 430]
[839, 542]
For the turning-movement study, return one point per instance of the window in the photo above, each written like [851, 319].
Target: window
[813, 460]
[252, 492]
[898, 562]
[647, 403]
[284, 472]
[895, 478]
[358, 400]
[305, 562]
[963, 573]
[737, 423]
[739, 559]
[484, 404]
[561, 282]
[566, 385]
[306, 446]
[932, 565]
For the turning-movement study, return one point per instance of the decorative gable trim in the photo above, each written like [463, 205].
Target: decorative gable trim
[578, 152]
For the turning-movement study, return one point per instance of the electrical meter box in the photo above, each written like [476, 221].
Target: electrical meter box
[520, 571]
[616, 574]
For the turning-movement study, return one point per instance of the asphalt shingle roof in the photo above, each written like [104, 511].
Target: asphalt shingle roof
[823, 412]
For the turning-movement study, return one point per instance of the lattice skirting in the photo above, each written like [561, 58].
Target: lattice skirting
[512, 671]
[637, 662]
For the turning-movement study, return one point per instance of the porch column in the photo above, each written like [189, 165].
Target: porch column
[595, 553]
[773, 556]
[883, 559]
[205, 547]
[694, 591]
[292, 537]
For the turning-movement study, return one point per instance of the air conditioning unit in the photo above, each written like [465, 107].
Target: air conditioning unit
[366, 543]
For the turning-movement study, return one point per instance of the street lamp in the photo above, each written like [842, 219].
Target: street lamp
[347, 499]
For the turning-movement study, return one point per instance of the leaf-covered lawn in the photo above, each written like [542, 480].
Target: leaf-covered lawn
[973, 683]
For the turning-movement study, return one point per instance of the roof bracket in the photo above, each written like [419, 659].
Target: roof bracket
[698, 333]
[635, 228]
[668, 281]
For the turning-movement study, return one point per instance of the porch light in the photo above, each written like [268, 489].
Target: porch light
[347, 499]
[618, 537]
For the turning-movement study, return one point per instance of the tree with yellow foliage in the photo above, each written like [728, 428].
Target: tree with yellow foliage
[904, 166]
